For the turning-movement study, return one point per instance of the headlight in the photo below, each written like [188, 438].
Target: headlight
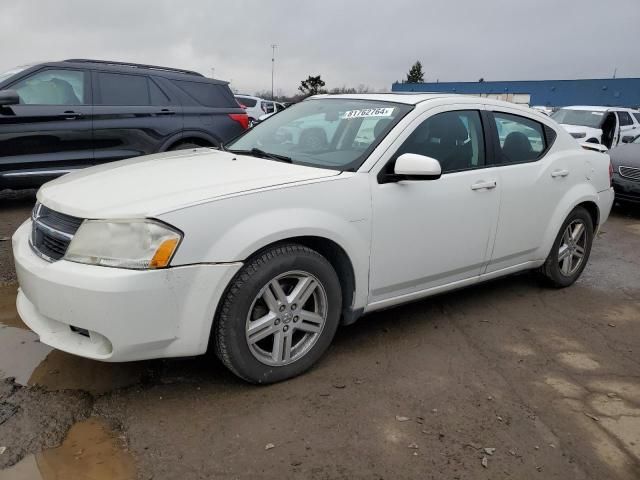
[137, 244]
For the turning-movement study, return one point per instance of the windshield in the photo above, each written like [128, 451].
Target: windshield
[333, 133]
[12, 72]
[583, 118]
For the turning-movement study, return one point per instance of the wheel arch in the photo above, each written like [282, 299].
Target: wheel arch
[339, 260]
[191, 136]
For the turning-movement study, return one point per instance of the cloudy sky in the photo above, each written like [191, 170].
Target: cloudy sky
[348, 42]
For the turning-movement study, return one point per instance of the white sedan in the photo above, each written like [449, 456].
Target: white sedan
[262, 250]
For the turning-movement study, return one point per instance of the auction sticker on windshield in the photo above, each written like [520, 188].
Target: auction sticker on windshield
[368, 112]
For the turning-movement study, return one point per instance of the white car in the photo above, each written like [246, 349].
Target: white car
[604, 125]
[261, 251]
[257, 107]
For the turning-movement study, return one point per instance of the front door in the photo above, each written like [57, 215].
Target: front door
[428, 234]
[50, 130]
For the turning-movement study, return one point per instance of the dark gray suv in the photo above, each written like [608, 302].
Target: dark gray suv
[59, 116]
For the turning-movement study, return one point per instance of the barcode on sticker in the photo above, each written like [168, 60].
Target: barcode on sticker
[368, 112]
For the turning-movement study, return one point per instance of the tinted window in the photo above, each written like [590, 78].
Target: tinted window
[119, 89]
[637, 115]
[455, 139]
[52, 87]
[521, 139]
[625, 119]
[247, 102]
[280, 107]
[208, 94]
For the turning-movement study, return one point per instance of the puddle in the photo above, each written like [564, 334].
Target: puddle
[32, 363]
[89, 451]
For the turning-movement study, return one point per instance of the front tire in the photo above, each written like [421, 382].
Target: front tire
[279, 314]
[571, 250]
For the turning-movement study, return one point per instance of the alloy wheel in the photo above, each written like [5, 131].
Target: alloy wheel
[572, 248]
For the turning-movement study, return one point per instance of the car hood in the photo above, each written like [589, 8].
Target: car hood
[581, 128]
[627, 155]
[154, 184]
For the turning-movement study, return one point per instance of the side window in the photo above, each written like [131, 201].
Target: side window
[120, 89]
[268, 107]
[521, 139]
[455, 139]
[52, 87]
[625, 119]
[637, 115]
[208, 94]
[279, 107]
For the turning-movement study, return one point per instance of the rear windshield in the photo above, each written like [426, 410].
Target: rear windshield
[583, 118]
[208, 94]
[247, 102]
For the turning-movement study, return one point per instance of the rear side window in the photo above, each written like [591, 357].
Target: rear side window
[208, 94]
[247, 102]
[52, 87]
[521, 139]
[121, 89]
[454, 138]
[625, 119]
[637, 115]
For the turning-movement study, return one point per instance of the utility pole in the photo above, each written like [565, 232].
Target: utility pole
[273, 65]
[615, 71]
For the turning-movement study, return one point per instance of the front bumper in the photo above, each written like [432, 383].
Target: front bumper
[114, 314]
[626, 190]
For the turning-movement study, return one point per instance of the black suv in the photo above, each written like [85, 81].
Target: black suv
[59, 116]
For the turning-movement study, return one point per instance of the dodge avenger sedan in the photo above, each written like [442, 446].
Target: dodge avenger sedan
[261, 249]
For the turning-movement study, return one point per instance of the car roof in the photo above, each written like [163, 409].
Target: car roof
[126, 67]
[596, 108]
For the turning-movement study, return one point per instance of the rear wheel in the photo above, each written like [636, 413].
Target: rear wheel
[571, 249]
[279, 314]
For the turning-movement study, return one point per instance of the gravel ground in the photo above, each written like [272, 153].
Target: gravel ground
[550, 379]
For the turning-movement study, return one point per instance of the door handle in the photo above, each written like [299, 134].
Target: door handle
[166, 111]
[560, 173]
[484, 185]
[71, 115]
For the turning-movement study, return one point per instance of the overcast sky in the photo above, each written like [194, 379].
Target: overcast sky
[348, 42]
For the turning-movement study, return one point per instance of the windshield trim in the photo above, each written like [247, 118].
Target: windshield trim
[354, 165]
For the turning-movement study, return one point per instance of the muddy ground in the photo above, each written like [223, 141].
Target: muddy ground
[550, 379]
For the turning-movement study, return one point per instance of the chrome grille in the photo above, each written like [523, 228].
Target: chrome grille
[630, 172]
[52, 232]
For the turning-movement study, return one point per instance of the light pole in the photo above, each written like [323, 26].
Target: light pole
[273, 65]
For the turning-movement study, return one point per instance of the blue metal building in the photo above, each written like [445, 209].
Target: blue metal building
[615, 92]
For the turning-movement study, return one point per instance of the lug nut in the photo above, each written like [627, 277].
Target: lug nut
[282, 307]
[295, 319]
[277, 322]
[285, 328]
[294, 306]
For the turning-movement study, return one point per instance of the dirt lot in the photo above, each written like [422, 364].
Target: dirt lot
[550, 379]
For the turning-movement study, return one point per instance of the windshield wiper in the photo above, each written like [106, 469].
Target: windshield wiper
[256, 152]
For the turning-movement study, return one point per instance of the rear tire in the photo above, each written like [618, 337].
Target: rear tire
[570, 251]
[279, 314]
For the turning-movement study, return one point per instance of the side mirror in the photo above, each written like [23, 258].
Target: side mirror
[411, 166]
[628, 139]
[9, 97]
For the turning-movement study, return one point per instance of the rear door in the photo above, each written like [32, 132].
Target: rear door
[531, 183]
[49, 132]
[132, 116]
[627, 125]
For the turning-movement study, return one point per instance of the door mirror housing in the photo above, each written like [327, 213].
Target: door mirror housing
[9, 97]
[411, 166]
[628, 139]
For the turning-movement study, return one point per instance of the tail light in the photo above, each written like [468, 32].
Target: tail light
[241, 118]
